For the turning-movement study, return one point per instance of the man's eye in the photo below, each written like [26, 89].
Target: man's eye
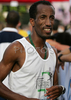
[52, 18]
[42, 17]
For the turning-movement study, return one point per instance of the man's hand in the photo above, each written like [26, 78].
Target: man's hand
[53, 92]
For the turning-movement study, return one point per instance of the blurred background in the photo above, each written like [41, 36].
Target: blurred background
[62, 9]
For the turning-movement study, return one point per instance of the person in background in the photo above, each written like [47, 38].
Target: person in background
[65, 57]
[63, 38]
[9, 34]
[31, 62]
[64, 76]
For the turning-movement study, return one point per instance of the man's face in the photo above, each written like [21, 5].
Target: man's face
[44, 20]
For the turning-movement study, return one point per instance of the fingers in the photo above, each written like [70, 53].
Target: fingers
[53, 96]
[62, 67]
[61, 64]
[53, 92]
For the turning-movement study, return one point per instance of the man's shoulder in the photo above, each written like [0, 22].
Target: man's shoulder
[16, 47]
[7, 33]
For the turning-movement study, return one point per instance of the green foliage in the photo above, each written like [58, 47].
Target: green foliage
[2, 19]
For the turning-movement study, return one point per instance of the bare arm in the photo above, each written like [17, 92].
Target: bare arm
[66, 55]
[57, 45]
[10, 57]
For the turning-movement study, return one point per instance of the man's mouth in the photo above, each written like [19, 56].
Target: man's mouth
[47, 29]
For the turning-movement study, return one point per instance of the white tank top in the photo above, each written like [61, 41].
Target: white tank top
[36, 73]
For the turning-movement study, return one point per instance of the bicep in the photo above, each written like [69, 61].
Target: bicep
[4, 70]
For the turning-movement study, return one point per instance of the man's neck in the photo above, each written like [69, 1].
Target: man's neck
[11, 26]
[38, 41]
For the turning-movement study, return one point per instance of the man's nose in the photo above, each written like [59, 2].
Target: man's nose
[48, 22]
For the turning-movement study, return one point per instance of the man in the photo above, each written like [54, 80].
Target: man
[30, 62]
[9, 34]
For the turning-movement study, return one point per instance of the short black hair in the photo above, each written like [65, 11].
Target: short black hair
[13, 18]
[62, 38]
[33, 8]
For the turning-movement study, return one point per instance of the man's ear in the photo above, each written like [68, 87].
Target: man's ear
[32, 21]
[19, 24]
